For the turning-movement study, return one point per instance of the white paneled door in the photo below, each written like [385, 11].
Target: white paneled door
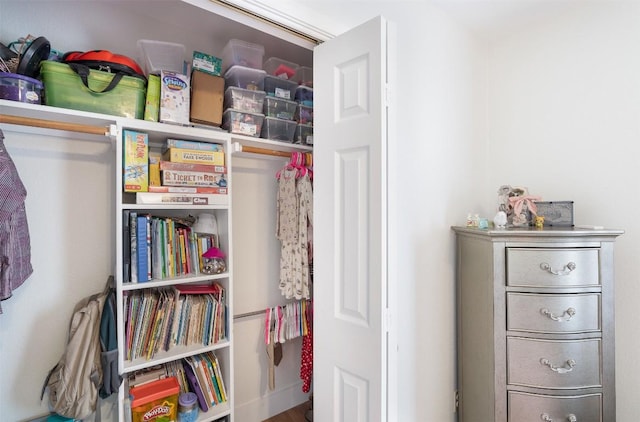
[350, 226]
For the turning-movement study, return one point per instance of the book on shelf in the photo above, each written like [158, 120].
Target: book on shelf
[218, 375]
[143, 245]
[155, 198]
[211, 377]
[159, 319]
[126, 247]
[194, 384]
[133, 242]
[147, 375]
[203, 379]
[189, 144]
[182, 155]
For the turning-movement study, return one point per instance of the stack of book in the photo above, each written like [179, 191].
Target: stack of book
[158, 248]
[187, 172]
[159, 320]
[204, 377]
[200, 374]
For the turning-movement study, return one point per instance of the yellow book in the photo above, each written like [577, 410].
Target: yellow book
[181, 155]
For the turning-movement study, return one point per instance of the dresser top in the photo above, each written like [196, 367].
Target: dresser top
[513, 232]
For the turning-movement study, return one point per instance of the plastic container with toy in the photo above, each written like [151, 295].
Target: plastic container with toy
[156, 401]
[280, 68]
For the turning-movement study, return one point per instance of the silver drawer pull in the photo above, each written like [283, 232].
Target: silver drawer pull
[565, 271]
[570, 363]
[562, 318]
[570, 417]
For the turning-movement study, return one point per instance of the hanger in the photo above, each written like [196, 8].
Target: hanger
[297, 162]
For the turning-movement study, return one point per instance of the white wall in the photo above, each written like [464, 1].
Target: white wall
[256, 279]
[70, 203]
[564, 108]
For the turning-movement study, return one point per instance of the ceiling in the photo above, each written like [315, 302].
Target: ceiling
[494, 19]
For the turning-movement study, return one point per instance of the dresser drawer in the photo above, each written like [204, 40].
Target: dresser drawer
[553, 364]
[537, 267]
[553, 313]
[524, 407]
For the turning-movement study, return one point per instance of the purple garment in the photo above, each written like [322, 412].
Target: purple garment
[15, 247]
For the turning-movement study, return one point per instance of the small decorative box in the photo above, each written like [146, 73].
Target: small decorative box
[556, 213]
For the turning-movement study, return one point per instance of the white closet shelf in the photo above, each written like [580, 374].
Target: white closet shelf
[76, 124]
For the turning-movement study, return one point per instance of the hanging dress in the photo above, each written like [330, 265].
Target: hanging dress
[294, 215]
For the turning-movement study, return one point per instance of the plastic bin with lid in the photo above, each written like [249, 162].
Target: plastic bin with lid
[280, 108]
[244, 99]
[20, 88]
[280, 68]
[278, 129]
[64, 88]
[303, 135]
[304, 114]
[304, 76]
[242, 122]
[161, 55]
[242, 53]
[245, 77]
[157, 400]
[304, 95]
[280, 88]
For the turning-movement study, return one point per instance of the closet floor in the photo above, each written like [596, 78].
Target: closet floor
[295, 414]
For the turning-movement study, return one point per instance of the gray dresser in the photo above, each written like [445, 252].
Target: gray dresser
[535, 313]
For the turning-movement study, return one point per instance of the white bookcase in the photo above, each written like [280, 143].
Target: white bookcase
[157, 134]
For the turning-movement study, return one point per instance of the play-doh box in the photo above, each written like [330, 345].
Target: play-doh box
[156, 401]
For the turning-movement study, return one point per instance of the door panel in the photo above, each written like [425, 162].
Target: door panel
[350, 223]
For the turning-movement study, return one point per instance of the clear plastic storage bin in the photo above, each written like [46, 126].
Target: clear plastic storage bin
[281, 68]
[161, 55]
[280, 88]
[245, 77]
[244, 99]
[242, 122]
[21, 88]
[278, 129]
[303, 135]
[304, 114]
[243, 53]
[304, 76]
[280, 108]
[304, 95]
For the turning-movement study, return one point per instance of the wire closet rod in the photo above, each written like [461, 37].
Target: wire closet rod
[248, 314]
[51, 124]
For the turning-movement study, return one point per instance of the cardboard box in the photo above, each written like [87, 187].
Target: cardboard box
[179, 155]
[207, 63]
[174, 98]
[207, 96]
[135, 161]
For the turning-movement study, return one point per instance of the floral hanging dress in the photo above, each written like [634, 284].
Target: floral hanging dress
[294, 217]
